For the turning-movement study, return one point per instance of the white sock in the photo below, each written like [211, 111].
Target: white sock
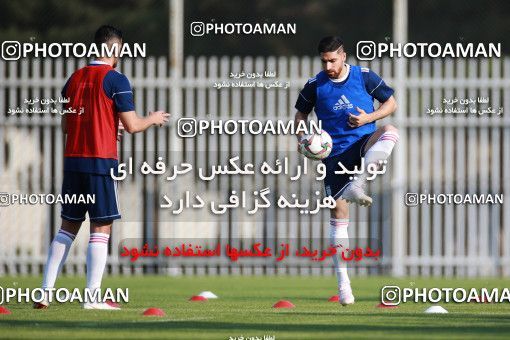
[97, 253]
[57, 255]
[380, 151]
[339, 237]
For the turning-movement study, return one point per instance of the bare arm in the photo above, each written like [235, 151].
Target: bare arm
[133, 123]
[299, 117]
[386, 108]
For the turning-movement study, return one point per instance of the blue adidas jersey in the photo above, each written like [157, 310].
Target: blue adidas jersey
[334, 101]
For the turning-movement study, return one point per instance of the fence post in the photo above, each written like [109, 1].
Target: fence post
[398, 180]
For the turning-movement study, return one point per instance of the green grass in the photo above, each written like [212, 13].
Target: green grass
[244, 309]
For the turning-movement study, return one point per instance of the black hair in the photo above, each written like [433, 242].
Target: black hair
[329, 44]
[105, 33]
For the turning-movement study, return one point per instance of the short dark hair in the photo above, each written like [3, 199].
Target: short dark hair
[330, 44]
[105, 33]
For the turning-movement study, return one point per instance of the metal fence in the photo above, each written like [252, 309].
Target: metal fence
[440, 153]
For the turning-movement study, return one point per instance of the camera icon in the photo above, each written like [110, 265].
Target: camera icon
[411, 199]
[187, 127]
[5, 200]
[197, 29]
[11, 50]
[365, 50]
[390, 295]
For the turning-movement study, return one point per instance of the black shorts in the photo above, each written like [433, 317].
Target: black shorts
[334, 184]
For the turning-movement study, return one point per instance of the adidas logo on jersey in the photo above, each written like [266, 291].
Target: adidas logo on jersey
[343, 103]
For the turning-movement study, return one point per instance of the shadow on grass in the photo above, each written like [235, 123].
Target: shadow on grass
[453, 325]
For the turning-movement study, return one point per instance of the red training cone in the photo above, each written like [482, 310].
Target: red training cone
[4, 310]
[334, 298]
[153, 312]
[482, 300]
[382, 305]
[113, 304]
[283, 304]
[197, 298]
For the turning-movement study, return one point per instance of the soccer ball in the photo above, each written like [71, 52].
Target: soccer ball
[316, 146]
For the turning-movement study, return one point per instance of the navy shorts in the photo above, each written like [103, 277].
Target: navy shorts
[103, 187]
[334, 184]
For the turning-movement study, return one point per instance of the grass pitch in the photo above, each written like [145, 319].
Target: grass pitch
[244, 309]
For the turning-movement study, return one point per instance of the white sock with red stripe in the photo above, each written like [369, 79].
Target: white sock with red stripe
[379, 152]
[97, 253]
[57, 256]
[339, 237]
